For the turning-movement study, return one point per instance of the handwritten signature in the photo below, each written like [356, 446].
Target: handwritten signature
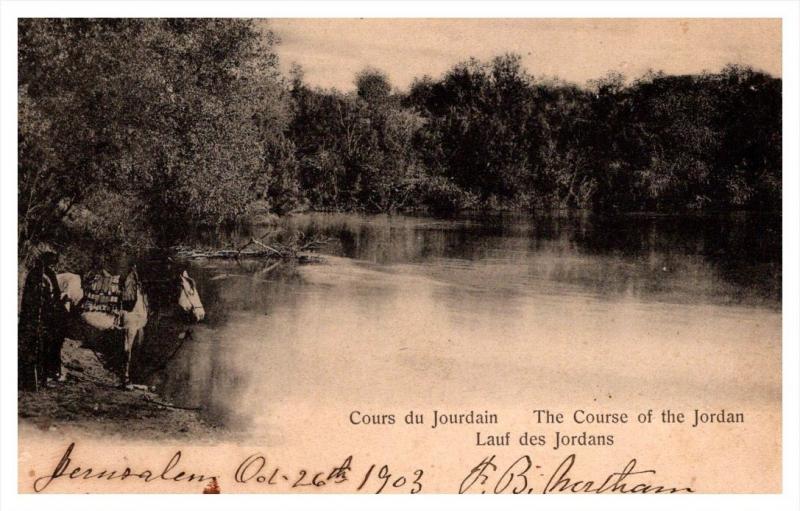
[518, 478]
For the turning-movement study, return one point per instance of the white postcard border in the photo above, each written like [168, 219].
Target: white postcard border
[11, 10]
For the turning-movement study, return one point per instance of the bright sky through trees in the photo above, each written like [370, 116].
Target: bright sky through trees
[332, 51]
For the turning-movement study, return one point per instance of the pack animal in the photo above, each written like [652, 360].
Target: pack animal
[101, 310]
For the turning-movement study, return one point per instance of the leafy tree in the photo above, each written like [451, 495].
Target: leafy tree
[356, 151]
[184, 113]
[372, 85]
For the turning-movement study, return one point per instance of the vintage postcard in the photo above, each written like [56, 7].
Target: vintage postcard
[399, 255]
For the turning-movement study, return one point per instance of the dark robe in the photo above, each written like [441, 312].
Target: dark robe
[41, 327]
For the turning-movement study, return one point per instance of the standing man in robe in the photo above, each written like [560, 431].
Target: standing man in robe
[41, 325]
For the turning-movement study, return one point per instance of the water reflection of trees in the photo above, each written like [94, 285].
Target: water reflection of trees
[729, 258]
[742, 250]
[732, 258]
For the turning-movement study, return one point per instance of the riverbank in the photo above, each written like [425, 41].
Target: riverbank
[90, 401]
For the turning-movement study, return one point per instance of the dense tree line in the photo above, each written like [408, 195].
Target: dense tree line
[173, 121]
[491, 135]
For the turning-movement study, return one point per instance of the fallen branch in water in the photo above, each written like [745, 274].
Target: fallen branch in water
[294, 250]
[269, 268]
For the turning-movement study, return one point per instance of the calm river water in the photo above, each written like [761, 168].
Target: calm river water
[486, 312]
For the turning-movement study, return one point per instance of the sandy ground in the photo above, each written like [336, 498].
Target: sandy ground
[91, 401]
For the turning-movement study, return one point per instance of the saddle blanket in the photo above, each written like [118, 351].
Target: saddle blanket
[102, 293]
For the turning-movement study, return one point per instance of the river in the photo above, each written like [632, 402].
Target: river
[500, 313]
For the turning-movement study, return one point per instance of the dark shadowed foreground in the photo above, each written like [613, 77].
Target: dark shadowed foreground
[91, 400]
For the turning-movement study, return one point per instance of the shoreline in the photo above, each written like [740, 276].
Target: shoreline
[91, 401]
[473, 212]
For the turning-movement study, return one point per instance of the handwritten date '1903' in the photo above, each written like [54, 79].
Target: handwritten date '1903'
[377, 479]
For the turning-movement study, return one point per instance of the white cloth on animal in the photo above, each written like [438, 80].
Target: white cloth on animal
[101, 320]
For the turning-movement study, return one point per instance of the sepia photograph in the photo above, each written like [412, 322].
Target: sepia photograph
[399, 255]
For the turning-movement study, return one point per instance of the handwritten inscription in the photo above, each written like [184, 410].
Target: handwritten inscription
[522, 476]
[518, 477]
[255, 470]
[67, 469]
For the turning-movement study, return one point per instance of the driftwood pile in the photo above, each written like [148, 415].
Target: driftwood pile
[297, 249]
